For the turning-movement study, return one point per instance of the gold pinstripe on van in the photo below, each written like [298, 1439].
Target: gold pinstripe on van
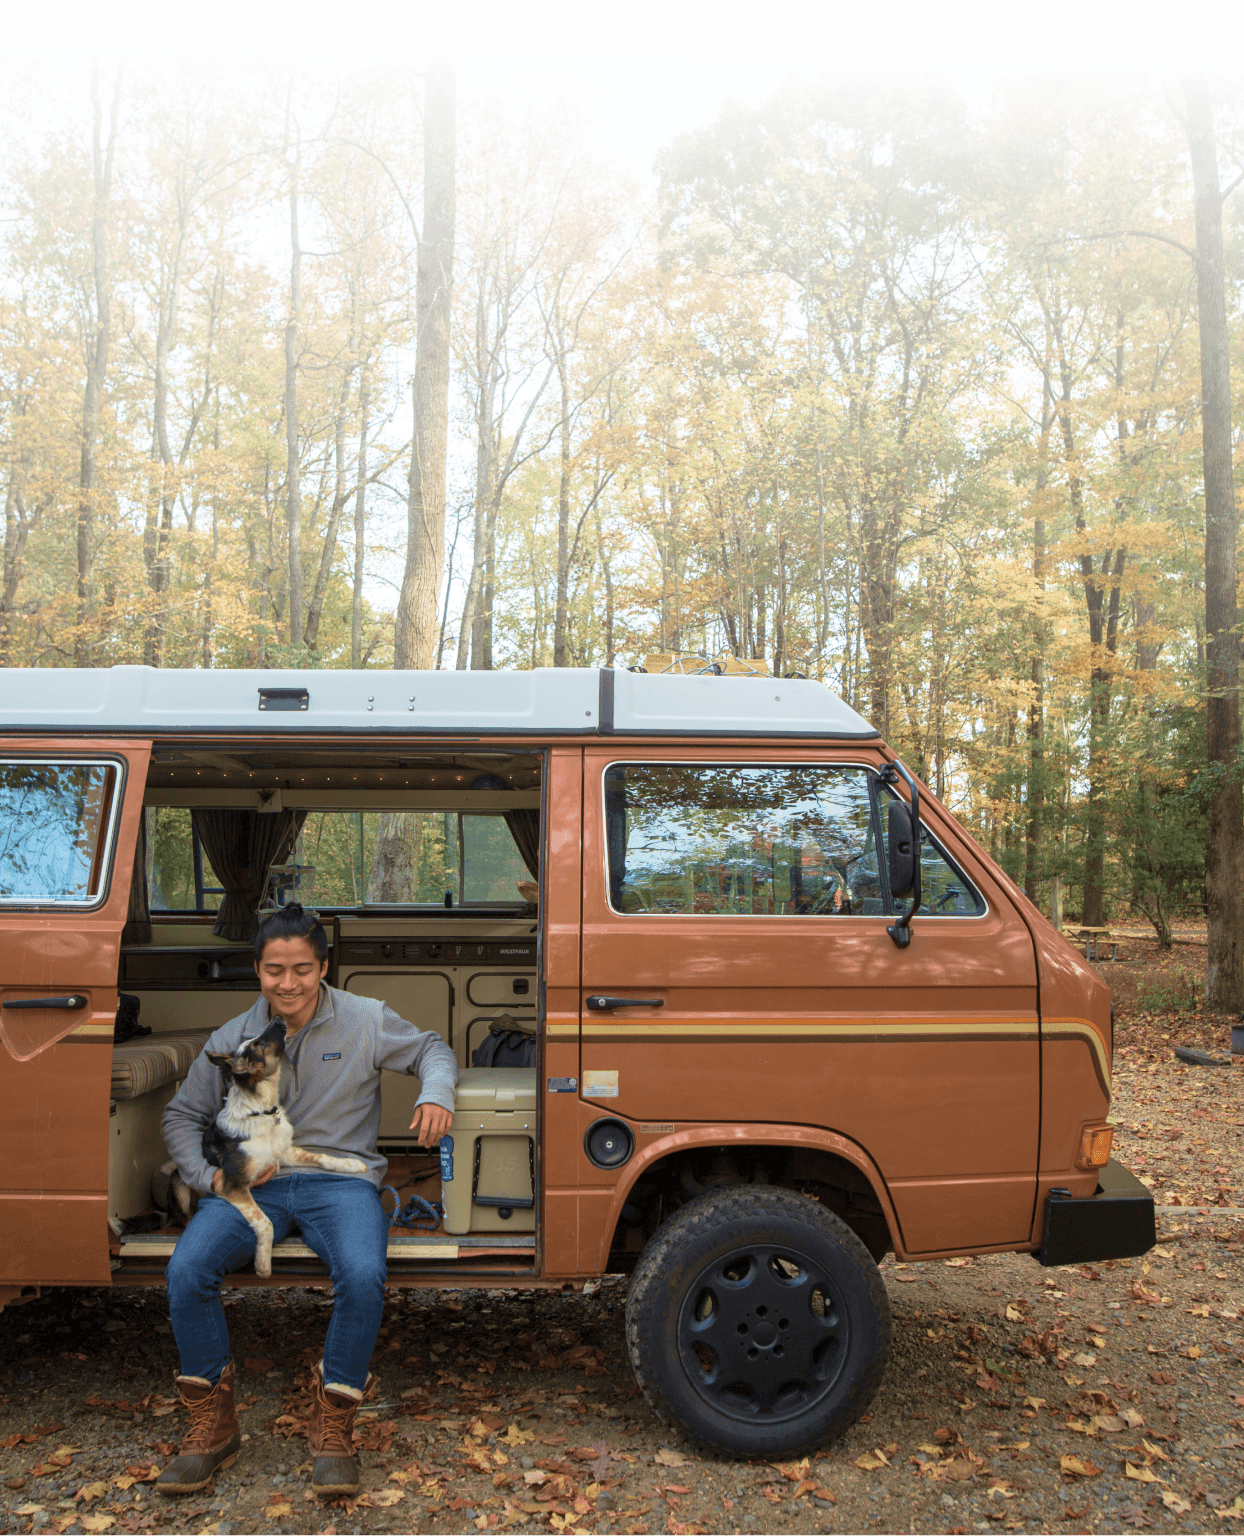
[844, 1031]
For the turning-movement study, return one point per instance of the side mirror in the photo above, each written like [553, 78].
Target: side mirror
[903, 847]
[901, 843]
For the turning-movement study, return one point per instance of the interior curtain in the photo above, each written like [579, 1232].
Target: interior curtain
[241, 846]
[137, 928]
[525, 830]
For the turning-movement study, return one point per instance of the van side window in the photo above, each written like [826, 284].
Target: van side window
[715, 839]
[57, 828]
[944, 890]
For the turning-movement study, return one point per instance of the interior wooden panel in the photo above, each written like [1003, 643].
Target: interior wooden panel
[422, 998]
[169, 1011]
[135, 1150]
[502, 990]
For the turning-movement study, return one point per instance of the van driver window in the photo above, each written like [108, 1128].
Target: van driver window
[717, 839]
[56, 824]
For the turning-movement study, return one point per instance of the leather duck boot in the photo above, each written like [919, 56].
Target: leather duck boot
[330, 1434]
[214, 1439]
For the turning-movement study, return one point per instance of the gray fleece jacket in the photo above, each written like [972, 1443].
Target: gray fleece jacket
[331, 1087]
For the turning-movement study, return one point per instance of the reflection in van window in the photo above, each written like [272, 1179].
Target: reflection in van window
[53, 821]
[719, 839]
[944, 892]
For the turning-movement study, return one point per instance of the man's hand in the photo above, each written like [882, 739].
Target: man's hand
[218, 1178]
[431, 1122]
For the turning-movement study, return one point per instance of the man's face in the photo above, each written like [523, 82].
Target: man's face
[289, 977]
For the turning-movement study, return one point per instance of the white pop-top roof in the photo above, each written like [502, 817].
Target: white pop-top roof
[546, 701]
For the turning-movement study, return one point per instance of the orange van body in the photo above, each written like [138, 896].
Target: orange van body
[937, 1095]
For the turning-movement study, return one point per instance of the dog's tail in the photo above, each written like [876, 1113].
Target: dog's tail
[171, 1194]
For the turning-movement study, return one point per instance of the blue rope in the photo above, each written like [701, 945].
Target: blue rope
[419, 1213]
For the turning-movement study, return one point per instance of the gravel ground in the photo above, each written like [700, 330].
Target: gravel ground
[1092, 1398]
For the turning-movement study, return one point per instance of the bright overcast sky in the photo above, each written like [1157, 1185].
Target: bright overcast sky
[641, 71]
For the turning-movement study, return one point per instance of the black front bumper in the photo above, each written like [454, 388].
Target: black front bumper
[1115, 1223]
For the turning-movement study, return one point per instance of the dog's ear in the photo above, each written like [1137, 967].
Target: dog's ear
[218, 1060]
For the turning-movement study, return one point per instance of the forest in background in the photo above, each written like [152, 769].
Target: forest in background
[894, 393]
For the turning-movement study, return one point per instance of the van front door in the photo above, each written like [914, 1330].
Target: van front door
[69, 822]
[737, 969]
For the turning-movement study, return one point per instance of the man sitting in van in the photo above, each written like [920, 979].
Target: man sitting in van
[337, 1045]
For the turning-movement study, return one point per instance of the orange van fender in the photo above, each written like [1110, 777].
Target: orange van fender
[752, 1135]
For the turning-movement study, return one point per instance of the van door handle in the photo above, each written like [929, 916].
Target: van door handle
[74, 1001]
[603, 1004]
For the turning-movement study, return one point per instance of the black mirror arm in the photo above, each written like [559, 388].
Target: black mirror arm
[900, 931]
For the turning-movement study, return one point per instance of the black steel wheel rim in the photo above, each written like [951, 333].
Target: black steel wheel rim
[763, 1333]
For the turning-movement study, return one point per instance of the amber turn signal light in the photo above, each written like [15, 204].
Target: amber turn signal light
[1095, 1146]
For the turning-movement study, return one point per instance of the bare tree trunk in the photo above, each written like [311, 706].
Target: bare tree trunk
[418, 605]
[780, 658]
[563, 518]
[394, 872]
[602, 554]
[1224, 863]
[449, 586]
[1036, 707]
[360, 525]
[157, 535]
[293, 487]
[484, 664]
[97, 359]
[485, 456]
[822, 583]
[341, 494]
[1150, 902]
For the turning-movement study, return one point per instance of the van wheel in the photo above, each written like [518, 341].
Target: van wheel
[758, 1322]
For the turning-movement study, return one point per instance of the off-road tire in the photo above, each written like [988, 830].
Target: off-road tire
[714, 1283]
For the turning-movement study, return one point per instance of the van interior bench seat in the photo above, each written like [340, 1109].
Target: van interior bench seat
[153, 1061]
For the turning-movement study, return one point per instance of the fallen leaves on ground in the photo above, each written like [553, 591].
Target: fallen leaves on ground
[382, 1498]
[667, 1458]
[1141, 1474]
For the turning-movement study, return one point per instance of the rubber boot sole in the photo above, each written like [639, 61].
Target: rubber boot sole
[175, 1490]
[336, 1490]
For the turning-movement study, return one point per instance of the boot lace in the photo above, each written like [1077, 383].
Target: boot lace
[202, 1412]
[336, 1427]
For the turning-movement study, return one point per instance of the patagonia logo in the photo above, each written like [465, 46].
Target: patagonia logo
[332, 1056]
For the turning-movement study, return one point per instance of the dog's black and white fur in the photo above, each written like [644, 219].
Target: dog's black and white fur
[252, 1132]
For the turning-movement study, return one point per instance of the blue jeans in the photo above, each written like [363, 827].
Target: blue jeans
[340, 1217]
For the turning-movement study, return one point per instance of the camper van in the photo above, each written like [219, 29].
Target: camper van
[782, 1014]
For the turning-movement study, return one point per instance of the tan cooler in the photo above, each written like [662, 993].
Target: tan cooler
[494, 1137]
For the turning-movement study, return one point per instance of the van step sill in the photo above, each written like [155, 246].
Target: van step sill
[431, 1246]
